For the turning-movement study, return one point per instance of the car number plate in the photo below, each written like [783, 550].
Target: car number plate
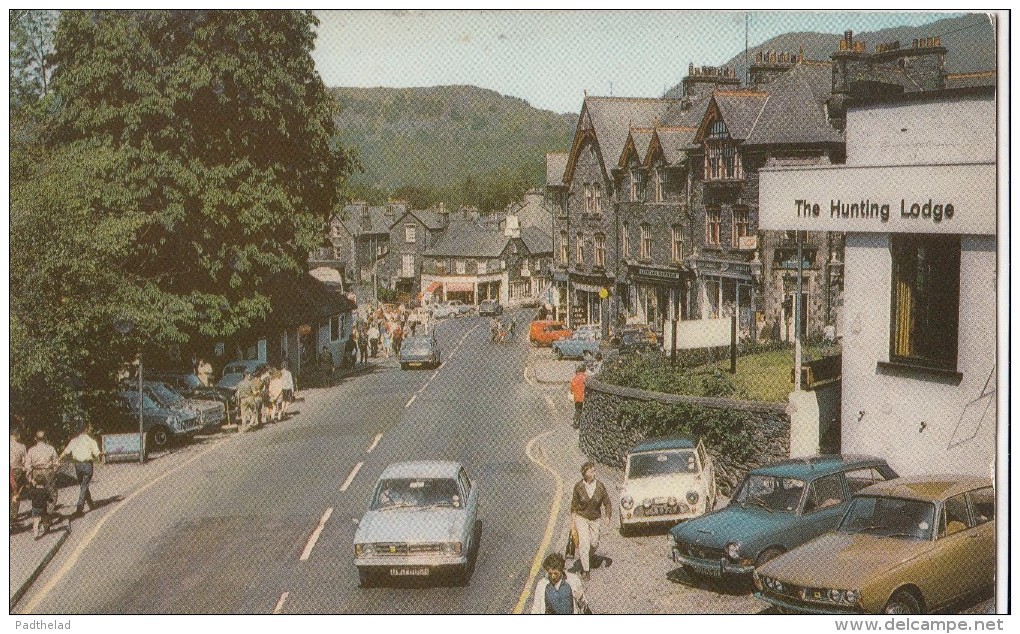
[711, 569]
[409, 572]
[416, 364]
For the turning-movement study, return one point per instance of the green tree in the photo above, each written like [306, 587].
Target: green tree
[31, 48]
[192, 156]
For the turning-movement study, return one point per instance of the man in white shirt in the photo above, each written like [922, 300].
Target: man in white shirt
[41, 463]
[83, 450]
[288, 389]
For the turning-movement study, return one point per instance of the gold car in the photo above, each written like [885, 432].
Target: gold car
[905, 546]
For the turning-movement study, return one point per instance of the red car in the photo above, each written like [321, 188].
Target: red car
[544, 332]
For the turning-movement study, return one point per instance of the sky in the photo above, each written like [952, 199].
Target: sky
[550, 58]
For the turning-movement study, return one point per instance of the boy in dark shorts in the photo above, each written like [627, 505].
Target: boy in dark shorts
[41, 500]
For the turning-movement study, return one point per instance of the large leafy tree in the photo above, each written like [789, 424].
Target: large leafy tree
[191, 155]
[31, 45]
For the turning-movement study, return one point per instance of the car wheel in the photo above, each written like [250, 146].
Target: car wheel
[559, 355]
[625, 531]
[364, 578]
[768, 555]
[903, 602]
[159, 436]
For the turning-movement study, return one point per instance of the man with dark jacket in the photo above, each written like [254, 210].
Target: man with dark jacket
[590, 497]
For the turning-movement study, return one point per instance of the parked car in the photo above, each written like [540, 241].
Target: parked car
[545, 331]
[909, 546]
[234, 371]
[188, 386]
[595, 329]
[422, 520]
[211, 413]
[445, 309]
[490, 308]
[666, 480]
[774, 509]
[161, 425]
[462, 308]
[638, 339]
[418, 352]
[578, 345]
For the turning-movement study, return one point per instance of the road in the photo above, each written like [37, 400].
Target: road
[226, 533]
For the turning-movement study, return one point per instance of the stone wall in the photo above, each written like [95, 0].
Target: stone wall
[604, 440]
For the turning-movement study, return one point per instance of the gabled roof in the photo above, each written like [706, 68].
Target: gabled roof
[795, 111]
[611, 119]
[740, 110]
[537, 241]
[431, 218]
[555, 166]
[467, 238]
[672, 141]
[636, 145]
[377, 220]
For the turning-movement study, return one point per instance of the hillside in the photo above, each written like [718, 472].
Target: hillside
[969, 40]
[447, 137]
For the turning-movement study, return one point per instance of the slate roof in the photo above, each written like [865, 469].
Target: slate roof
[642, 137]
[429, 217]
[378, 221]
[674, 141]
[740, 110]
[795, 109]
[536, 240]
[613, 117]
[467, 238]
[555, 166]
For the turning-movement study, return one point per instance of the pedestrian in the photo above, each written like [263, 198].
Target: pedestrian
[398, 338]
[84, 451]
[42, 500]
[274, 395]
[577, 392]
[373, 338]
[559, 591]
[41, 462]
[590, 497]
[204, 372]
[287, 380]
[246, 401]
[18, 479]
[362, 346]
[326, 364]
[386, 342]
[494, 330]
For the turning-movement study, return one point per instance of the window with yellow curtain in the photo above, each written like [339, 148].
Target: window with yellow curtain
[925, 300]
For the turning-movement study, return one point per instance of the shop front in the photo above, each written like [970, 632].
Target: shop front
[657, 295]
[725, 288]
[589, 299]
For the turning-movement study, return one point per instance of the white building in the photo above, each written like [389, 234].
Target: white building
[917, 200]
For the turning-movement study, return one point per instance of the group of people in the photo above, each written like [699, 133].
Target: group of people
[264, 396]
[33, 475]
[502, 331]
[380, 330]
[562, 592]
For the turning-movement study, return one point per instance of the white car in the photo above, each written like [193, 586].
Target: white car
[422, 521]
[446, 309]
[666, 480]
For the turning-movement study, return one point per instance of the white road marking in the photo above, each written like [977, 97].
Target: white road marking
[279, 604]
[411, 400]
[375, 442]
[350, 478]
[318, 530]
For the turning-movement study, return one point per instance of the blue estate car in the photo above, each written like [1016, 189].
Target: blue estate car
[578, 345]
[774, 509]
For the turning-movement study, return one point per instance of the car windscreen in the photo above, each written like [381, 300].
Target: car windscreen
[164, 395]
[636, 337]
[132, 400]
[416, 346]
[416, 493]
[645, 465]
[889, 517]
[773, 493]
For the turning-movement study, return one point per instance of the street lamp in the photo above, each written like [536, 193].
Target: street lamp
[124, 326]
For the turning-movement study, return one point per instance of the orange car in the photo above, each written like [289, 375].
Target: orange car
[545, 331]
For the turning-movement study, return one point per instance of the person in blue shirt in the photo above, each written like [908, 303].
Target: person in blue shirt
[559, 592]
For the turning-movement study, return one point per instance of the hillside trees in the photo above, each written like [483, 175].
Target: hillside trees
[189, 156]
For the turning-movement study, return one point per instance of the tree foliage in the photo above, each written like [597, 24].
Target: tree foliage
[31, 46]
[190, 156]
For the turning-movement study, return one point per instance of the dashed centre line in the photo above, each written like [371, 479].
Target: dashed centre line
[411, 400]
[350, 478]
[375, 441]
[279, 604]
[318, 529]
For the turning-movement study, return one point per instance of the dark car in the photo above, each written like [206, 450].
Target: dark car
[774, 509]
[419, 352]
[489, 308]
[161, 424]
[190, 387]
[638, 339]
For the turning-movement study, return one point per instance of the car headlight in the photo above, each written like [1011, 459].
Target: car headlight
[647, 503]
[363, 550]
[627, 502]
[692, 497]
[683, 508]
[853, 597]
[173, 420]
[453, 548]
[671, 501]
[733, 550]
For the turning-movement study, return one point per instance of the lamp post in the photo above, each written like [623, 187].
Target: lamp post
[124, 326]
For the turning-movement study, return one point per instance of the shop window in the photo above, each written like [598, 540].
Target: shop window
[410, 234]
[740, 224]
[646, 242]
[460, 267]
[713, 222]
[925, 300]
[678, 245]
[600, 250]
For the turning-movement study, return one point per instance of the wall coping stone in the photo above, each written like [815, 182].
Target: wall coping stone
[705, 401]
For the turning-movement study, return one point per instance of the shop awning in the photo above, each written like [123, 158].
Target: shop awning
[456, 287]
[433, 287]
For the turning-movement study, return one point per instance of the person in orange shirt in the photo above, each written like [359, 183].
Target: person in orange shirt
[577, 391]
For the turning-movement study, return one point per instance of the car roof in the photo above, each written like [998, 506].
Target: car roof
[665, 442]
[421, 469]
[929, 488]
[811, 467]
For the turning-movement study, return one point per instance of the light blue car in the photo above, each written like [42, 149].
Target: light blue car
[577, 345]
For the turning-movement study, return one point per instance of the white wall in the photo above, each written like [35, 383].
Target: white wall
[959, 420]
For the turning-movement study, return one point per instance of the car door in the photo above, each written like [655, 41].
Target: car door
[470, 489]
[824, 505]
[708, 473]
[958, 554]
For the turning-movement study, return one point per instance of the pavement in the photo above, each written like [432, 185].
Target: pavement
[111, 483]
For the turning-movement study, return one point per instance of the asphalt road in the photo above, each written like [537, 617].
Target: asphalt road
[226, 533]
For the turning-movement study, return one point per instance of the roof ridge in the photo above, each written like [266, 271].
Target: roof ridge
[676, 128]
[742, 92]
[978, 73]
[661, 99]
